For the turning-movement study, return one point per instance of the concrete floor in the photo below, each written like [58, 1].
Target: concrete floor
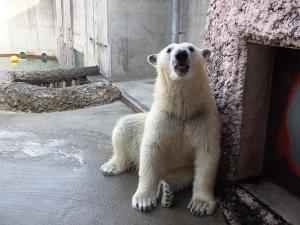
[49, 173]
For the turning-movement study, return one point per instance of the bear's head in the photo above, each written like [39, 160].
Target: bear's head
[179, 61]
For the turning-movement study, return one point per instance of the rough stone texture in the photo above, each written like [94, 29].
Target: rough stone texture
[242, 208]
[19, 90]
[277, 198]
[48, 76]
[26, 97]
[230, 24]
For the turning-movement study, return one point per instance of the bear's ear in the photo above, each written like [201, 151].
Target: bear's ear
[206, 53]
[152, 59]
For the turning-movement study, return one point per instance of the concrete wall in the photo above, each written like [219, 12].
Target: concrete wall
[116, 35]
[140, 27]
[64, 33]
[193, 20]
[27, 26]
[119, 35]
[89, 22]
[137, 28]
[259, 72]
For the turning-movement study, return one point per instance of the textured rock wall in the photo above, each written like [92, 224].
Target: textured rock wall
[230, 24]
[25, 97]
[47, 76]
[19, 90]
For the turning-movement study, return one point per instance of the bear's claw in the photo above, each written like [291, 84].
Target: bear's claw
[110, 169]
[164, 194]
[200, 207]
[143, 203]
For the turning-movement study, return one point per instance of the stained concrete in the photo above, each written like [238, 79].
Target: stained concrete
[50, 173]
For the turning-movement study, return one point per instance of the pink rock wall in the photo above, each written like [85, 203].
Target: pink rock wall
[231, 23]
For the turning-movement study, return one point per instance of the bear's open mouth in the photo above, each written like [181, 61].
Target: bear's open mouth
[181, 69]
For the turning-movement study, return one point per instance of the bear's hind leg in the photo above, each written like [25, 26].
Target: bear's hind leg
[126, 139]
[120, 161]
[115, 166]
[173, 183]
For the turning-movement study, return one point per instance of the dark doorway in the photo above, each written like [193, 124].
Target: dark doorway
[282, 155]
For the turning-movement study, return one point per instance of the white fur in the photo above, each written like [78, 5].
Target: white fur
[178, 141]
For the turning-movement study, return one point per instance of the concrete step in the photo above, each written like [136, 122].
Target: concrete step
[137, 94]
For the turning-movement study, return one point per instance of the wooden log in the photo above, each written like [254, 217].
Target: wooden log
[21, 96]
[48, 76]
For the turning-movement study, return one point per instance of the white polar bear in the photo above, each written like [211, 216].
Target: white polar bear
[178, 141]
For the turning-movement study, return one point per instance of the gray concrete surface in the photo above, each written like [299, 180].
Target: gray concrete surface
[257, 87]
[119, 35]
[28, 26]
[277, 198]
[193, 21]
[140, 91]
[140, 28]
[137, 29]
[50, 173]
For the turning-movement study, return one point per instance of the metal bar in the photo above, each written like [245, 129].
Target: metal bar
[175, 21]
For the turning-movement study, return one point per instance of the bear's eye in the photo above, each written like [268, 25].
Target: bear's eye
[169, 50]
[191, 49]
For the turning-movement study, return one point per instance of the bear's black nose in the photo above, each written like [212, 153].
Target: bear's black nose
[181, 55]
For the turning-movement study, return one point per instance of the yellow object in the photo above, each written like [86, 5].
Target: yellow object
[14, 59]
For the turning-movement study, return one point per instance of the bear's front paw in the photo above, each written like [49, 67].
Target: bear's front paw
[199, 207]
[111, 169]
[144, 202]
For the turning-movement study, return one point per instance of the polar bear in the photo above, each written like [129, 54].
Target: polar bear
[177, 143]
